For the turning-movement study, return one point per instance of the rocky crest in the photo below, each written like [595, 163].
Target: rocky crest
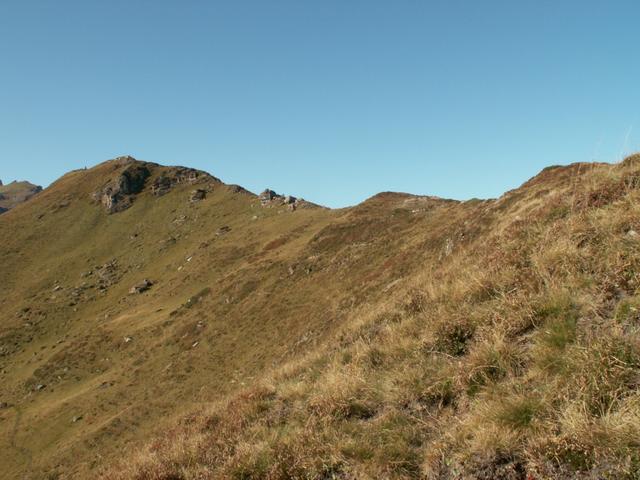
[179, 175]
[269, 198]
[119, 193]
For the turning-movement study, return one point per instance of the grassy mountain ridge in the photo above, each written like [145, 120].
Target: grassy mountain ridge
[406, 337]
[249, 284]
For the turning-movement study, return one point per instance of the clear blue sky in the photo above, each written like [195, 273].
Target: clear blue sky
[332, 100]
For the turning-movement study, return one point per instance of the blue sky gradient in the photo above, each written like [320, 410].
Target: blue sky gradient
[331, 100]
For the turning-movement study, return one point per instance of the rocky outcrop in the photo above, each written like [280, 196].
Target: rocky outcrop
[179, 175]
[198, 194]
[269, 198]
[119, 194]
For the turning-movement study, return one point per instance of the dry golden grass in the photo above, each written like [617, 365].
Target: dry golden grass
[511, 351]
[516, 356]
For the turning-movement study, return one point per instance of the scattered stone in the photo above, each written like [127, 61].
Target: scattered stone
[632, 235]
[195, 345]
[57, 288]
[141, 287]
[40, 386]
[77, 418]
[127, 339]
[108, 274]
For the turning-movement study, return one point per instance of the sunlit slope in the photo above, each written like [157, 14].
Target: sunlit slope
[236, 288]
[504, 344]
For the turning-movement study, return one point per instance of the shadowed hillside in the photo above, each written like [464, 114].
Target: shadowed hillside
[156, 323]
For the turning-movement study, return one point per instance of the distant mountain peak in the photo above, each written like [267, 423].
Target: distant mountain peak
[16, 193]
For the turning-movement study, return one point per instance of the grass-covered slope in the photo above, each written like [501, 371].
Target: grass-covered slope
[88, 369]
[406, 337]
[508, 348]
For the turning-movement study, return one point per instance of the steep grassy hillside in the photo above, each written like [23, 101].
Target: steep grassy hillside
[239, 285]
[511, 352]
[156, 323]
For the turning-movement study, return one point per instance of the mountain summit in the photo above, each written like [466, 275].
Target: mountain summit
[157, 323]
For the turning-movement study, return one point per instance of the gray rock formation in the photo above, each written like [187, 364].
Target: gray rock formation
[118, 194]
[176, 176]
[269, 198]
[198, 194]
[141, 287]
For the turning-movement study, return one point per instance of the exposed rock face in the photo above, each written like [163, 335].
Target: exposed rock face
[267, 196]
[118, 195]
[197, 195]
[16, 193]
[178, 175]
